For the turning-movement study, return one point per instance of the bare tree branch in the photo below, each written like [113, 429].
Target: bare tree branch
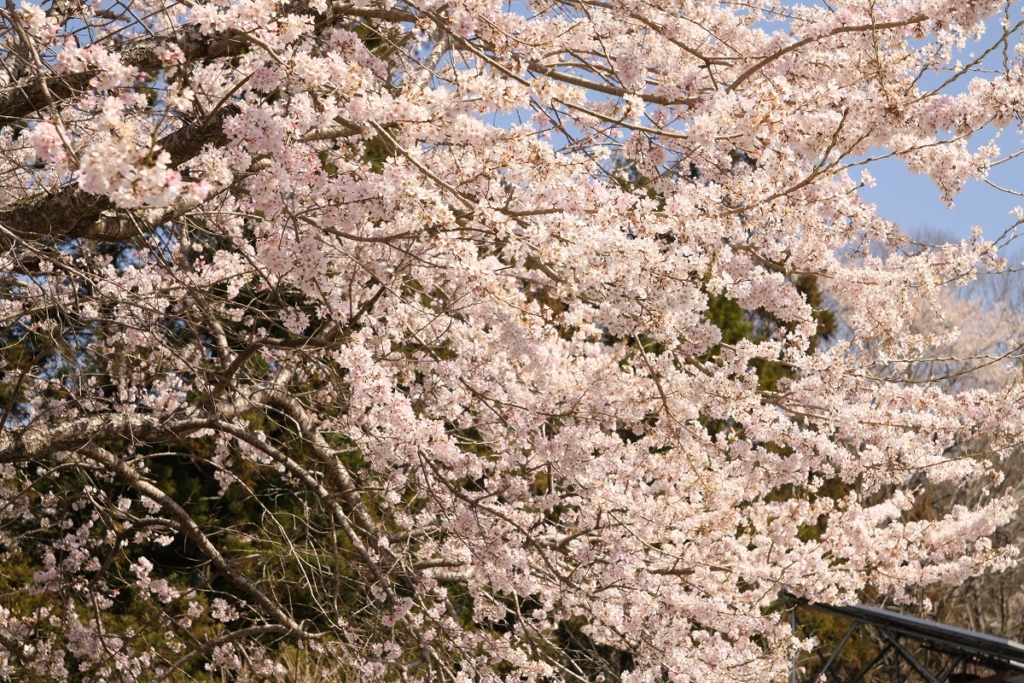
[189, 527]
[72, 212]
[28, 94]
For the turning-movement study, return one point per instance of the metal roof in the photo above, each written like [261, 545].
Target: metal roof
[979, 647]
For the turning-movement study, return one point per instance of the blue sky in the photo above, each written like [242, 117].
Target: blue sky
[913, 200]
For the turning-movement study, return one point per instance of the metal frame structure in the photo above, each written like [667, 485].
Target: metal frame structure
[1005, 658]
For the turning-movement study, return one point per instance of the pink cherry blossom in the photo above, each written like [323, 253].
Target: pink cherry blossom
[414, 340]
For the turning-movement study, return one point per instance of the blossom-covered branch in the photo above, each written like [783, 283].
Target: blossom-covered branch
[482, 341]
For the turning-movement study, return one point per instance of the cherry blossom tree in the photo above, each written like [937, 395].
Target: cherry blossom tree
[981, 354]
[978, 323]
[389, 334]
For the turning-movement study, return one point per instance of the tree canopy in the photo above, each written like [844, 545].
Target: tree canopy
[486, 341]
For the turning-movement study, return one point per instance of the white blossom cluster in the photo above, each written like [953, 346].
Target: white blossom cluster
[389, 334]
